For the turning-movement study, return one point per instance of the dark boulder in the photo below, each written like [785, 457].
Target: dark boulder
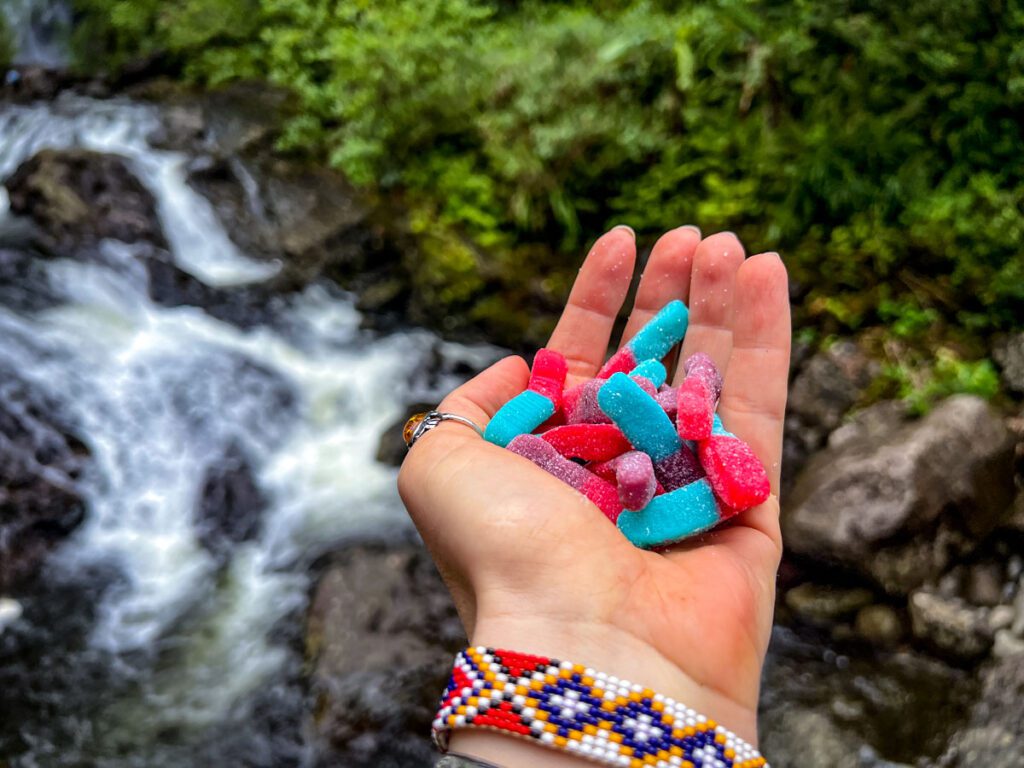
[41, 463]
[77, 197]
[381, 635]
[900, 506]
[230, 506]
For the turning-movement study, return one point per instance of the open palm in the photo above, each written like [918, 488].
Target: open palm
[534, 566]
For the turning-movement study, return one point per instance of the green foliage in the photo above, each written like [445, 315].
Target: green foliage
[877, 145]
[925, 382]
[6, 44]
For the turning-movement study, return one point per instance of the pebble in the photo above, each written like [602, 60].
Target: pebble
[10, 612]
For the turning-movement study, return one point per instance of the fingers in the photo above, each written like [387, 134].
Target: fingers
[666, 277]
[712, 289]
[753, 400]
[480, 397]
[583, 331]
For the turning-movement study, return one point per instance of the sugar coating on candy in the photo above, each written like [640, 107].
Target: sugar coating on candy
[581, 406]
[592, 442]
[652, 370]
[523, 413]
[547, 376]
[603, 494]
[634, 476]
[735, 473]
[668, 398]
[672, 516]
[639, 417]
[679, 469]
[695, 409]
[623, 361]
[700, 365]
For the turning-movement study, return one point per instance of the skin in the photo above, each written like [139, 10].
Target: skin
[534, 566]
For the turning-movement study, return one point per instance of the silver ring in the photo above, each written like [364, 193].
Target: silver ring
[421, 423]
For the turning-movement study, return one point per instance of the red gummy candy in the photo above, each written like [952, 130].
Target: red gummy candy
[547, 377]
[695, 409]
[591, 442]
[735, 473]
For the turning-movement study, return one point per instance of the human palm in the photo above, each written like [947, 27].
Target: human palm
[534, 566]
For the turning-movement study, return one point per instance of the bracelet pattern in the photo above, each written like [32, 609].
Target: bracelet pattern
[593, 715]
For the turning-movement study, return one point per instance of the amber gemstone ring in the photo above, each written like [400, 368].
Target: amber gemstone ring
[417, 426]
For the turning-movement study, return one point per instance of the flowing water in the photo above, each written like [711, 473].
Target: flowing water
[159, 649]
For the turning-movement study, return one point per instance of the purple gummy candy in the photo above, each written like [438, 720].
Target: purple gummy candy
[703, 367]
[586, 410]
[679, 469]
[634, 475]
[668, 399]
[546, 456]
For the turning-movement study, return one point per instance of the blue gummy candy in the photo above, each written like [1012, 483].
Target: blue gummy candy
[672, 516]
[652, 370]
[639, 416]
[662, 332]
[523, 413]
[717, 428]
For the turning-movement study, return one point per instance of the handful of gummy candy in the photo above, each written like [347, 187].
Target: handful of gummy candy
[654, 458]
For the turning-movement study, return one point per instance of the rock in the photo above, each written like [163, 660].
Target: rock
[880, 625]
[1001, 617]
[821, 604]
[1007, 644]
[391, 449]
[231, 504]
[77, 197]
[899, 507]
[950, 625]
[10, 612]
[380, 638]
[807, 737]
[869, 424]
[985, 584]
[41, 462]
[1009, 354]
[821, 393]
[994, 736]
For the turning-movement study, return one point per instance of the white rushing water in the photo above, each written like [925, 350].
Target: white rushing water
[160, 394]
[39, 29]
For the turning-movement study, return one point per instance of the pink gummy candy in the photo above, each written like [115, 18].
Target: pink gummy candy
[591, 442]
[735, 473]
[547, 377]
[634, 474]
[603, 494]
[667, 398]
[697, 398]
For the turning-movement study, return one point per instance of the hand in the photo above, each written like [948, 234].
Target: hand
[534, 566]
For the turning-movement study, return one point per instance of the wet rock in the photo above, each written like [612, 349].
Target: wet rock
[985, 584]
[77, 197]
[994, 736]
[873, 423]
[230, 506]
[950, 625]
[41, 462]
[1009, 354]
[821, 393]
[802, 737]
[391, 449]
[23, 85]
[381, 634]
[880, 625]
[899, 507]
[822, 604]
[1007, 644]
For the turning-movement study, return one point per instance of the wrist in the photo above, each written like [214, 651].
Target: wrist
[602, 647]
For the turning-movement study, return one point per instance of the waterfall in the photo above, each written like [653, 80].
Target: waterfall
[39, 31]
[159, 394]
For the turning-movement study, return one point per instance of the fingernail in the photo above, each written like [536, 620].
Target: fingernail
[693, 228]
[627, 228]
[773, 253]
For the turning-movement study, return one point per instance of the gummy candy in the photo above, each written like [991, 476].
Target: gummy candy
[634, 475]
[652, 342]
[528, 410]
[697, 397]
[592, 442]
[679, 469]
[602, 493]
[651, 370]
[672, 516]
[639, 417]
[735, 473]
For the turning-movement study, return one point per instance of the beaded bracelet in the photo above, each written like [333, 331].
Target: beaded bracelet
[590, 714]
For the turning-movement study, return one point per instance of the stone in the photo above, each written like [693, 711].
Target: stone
[391, 448]
[985, 584]
[1008, 352]
[992, 737]
[899, 508]
[1001, 617]
[10, 612]
[381, 635]
[78, 197]
[1007, 644]
[230, 506]
[41, 463]
[880, 625]
[950, 625]
[823, 604]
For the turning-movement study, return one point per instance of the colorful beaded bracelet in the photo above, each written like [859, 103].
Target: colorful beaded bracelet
[593, 715]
